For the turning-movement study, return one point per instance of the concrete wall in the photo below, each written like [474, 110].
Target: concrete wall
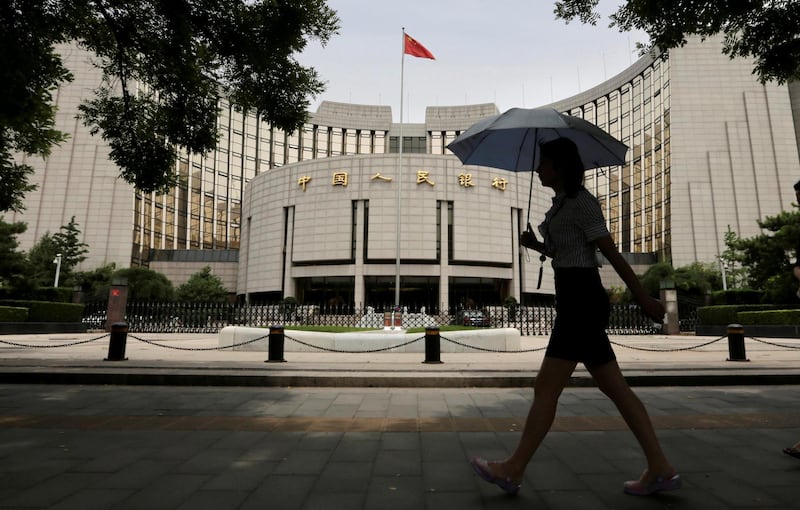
[734, 151]
[78, 179]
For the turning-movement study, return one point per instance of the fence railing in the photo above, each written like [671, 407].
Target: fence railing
[194, 317]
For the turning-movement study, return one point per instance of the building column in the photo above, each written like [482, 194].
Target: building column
[289, 287]
[444, 265]
[515, 289]
[359, 292]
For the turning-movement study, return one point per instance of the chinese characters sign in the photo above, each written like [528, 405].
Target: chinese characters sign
[465, 180]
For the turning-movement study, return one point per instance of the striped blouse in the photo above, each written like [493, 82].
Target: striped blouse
[570, 228]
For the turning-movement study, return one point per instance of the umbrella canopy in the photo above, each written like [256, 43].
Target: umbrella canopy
[511, 140]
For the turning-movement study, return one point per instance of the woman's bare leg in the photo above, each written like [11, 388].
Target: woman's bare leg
[550, 382]
[611, 382]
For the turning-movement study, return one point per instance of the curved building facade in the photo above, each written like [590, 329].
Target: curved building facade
[326, 231]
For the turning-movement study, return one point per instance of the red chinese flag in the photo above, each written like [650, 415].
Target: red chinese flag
[415, 49]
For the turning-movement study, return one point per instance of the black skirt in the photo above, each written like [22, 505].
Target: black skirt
[582, 310]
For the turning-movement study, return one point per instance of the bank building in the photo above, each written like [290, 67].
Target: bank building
[313, 214]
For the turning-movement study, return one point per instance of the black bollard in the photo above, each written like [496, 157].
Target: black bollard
[275, 345]
[736, 343]
[432, 352]
[117, 341]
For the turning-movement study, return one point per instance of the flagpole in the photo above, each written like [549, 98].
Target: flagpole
[412, 47]
[399, 176]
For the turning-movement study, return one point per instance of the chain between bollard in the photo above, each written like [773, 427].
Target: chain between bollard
[487, 349]
[218, 348]
[367, 351]
[774, 344]
[70, 344]
[677, 349]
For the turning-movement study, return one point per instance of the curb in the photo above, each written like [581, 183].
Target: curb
[184, 377]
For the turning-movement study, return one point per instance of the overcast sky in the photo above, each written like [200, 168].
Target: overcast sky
[507, 52]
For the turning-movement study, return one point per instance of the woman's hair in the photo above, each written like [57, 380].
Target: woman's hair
[797, 186]
[563, 153]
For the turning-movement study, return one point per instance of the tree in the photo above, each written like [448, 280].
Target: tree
[735, 272]
[694, 279]
[145, 284]
[72, 250]
[42, 255]
[14, 265]
[96, 283]
[697, 278]
[165, 64]
[203, 286]
[766, 32]
[655, 274]
[767, 256]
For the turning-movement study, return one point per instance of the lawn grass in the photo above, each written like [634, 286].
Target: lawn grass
[348, 329]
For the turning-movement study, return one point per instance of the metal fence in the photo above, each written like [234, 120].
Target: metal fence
[194, 317]
[687, 311]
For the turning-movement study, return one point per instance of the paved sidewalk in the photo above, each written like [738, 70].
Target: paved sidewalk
[194, 359]
[380, 430]
[136, 448]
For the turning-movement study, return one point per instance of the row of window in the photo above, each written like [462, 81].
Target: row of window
[205, 210]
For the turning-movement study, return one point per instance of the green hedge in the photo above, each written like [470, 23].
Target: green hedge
[736, 297]
[729, 314]
[46, 311]
[13, 314]
[769, 317]
[60, 294]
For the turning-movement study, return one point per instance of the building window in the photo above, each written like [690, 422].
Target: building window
[411, 145]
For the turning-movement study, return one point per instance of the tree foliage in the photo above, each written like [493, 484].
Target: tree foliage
[13, 266]
[694, 279]
[766, 32]
[29, 73]
[203, 286]
[145, 284]
[41, 266]
[72, 250]
[96, 283]
[165, 64]
[768, 256]
[41, 256]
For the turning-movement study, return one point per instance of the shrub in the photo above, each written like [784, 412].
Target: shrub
[13, 314]
[737, 297]
[770, 317]
[46, 311]
[729, 314]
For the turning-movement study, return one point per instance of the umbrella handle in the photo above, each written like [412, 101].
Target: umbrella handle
[528, 239]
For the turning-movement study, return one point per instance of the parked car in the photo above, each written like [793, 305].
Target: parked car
[477, 318]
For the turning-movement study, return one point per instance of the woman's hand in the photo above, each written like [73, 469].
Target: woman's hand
[528, 240]
[651, 307]
[654, 309]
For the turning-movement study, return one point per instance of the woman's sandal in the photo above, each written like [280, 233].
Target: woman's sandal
[481, 468]
[636, 488]
[792, 452]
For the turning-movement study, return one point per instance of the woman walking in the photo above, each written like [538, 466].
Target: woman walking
[573, 229]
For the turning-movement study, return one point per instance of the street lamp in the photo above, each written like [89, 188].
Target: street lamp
[57, 262]
[724, 273]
